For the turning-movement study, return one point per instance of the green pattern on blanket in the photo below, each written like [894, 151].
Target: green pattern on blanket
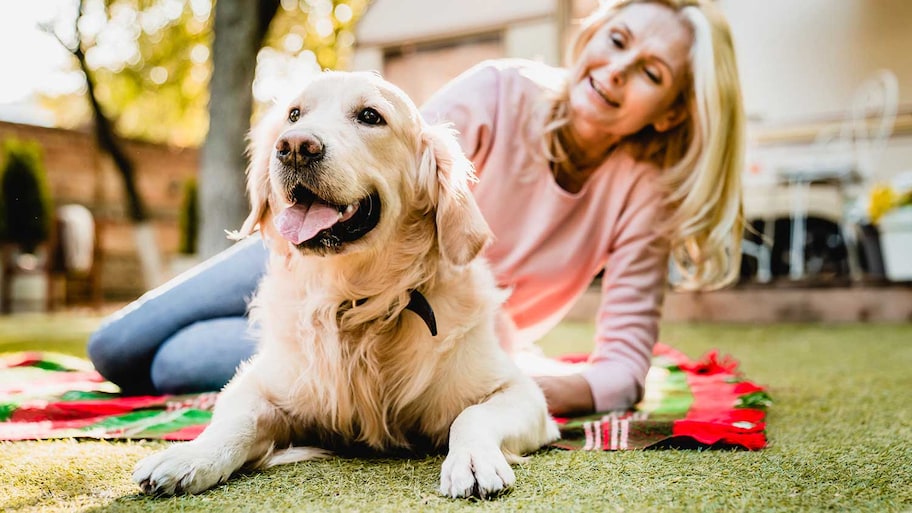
[686, 404]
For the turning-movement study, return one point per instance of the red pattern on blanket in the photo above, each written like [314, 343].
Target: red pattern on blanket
[688, 404]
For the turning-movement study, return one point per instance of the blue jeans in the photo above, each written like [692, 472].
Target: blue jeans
[188, 335]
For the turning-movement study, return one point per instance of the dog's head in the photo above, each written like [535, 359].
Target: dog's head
[339, 168]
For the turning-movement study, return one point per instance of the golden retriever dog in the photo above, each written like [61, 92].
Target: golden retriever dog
[376, 315]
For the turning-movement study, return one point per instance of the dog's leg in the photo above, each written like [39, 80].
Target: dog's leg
[511, 422]
[244, 427]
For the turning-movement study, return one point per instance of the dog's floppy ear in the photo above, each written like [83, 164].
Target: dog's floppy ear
[445, 173]
[259, 150]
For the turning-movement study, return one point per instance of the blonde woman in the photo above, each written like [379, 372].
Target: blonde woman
[628, 156]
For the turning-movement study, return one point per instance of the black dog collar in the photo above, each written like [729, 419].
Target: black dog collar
[418, 304]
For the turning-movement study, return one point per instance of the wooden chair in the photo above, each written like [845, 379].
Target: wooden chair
[75, 259]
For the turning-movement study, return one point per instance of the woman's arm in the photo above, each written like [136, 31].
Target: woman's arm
[633, 285]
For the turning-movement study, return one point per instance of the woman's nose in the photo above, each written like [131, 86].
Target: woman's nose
[617, 71]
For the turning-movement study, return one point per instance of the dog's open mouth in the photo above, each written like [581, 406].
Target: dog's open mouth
[313, 223]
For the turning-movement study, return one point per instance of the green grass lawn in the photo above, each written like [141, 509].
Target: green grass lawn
[840, 436]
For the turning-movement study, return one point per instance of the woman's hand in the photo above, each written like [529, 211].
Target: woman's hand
[567, 395]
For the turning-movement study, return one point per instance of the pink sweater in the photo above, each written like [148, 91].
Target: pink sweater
[549, 243]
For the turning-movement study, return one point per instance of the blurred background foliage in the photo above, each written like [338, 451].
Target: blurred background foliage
[26, 207]
[152, 60]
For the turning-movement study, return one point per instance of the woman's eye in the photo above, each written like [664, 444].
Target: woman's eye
[653, 75]
[294, 115]
[370, 116]
[618, 40]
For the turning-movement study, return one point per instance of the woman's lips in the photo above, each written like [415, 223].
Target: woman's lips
[595, 87]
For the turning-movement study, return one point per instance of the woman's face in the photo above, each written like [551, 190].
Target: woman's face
[630, 73]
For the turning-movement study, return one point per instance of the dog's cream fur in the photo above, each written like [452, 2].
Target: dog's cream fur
[332, 373]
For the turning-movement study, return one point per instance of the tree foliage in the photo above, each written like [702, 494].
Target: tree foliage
[152, 60]
[324, 28]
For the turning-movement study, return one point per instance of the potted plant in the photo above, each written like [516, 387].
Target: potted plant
[890, 210]
[27, 212]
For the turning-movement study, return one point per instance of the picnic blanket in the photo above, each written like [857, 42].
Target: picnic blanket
[687, 404]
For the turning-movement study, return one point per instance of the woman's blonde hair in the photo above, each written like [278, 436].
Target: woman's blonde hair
[701, 158]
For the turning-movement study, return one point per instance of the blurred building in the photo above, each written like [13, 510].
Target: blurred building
[421, 44]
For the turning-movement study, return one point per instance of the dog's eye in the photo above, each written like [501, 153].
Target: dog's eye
[294, 115]
[370, 116]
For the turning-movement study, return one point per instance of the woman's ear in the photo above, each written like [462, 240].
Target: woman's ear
[444, 173]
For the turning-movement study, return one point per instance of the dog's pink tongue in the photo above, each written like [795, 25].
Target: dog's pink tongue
[299, 223]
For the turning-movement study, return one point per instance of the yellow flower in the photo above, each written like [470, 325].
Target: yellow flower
[883, 199]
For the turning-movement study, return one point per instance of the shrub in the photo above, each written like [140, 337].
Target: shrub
[189, 219]
[27, 208]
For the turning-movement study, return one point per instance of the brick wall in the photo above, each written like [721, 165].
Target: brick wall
[79, 173]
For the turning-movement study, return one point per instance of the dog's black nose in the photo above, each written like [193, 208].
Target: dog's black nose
[304, 148]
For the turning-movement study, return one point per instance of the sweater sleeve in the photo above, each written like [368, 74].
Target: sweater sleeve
[469, 102]
[633, 286]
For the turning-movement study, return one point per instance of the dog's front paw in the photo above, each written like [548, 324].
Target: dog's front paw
[180, 469]
[475, 472]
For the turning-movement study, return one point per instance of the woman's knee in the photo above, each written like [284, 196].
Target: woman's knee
[99, 348]
[122, 357]
[113, 345]
[202, 357]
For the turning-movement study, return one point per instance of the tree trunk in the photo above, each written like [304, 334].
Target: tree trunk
[144, 235]
[239, 29]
